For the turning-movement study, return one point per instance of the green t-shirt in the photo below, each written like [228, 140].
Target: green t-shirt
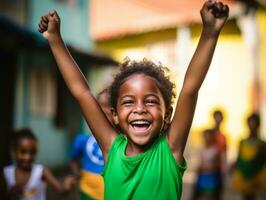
[155, 174]
[251, 158]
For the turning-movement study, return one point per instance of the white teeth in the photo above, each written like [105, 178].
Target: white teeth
[140, 122]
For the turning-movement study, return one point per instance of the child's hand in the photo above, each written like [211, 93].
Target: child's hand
[214, 15]
[69, 183]
[49, 25]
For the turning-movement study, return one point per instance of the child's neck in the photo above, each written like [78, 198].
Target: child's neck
[22, 175]
[217, 127]
[253, 134]
[23, 169]
[133, 149]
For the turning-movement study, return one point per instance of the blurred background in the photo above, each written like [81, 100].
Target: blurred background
[100, 34]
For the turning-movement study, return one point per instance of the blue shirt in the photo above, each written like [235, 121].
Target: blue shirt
[86, 148]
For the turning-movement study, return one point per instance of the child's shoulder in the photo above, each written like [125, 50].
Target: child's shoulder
[82, 137]
[9, 168]
[38, 166]
[8, 173]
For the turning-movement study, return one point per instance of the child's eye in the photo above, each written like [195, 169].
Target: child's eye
[127, 102]
[152, 101]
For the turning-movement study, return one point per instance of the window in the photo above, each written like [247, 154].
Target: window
[42, 92]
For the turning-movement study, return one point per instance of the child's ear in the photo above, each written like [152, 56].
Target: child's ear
[115, 117]
[168, 114]
[167, 118]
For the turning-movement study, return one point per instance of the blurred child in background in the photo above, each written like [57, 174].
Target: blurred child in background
[221, 145]
[26, 180]
[249, 176]
[86, 157]
[207, 184]
[87, 163]
[103, 98]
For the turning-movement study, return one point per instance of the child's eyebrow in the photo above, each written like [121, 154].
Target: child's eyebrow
[127, 96]
[145, 96]
[152, 95]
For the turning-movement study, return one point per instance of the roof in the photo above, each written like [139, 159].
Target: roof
[14, 37]
[115, 18]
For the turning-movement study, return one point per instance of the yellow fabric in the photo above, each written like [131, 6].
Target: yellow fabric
[248, 152]
[31, 193]
[92, 185]
[251, 185]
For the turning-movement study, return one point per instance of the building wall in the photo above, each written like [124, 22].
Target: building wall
[16, 9]
[54, 141]
[74, 19]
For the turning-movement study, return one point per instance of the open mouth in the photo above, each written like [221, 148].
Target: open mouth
[140, 126]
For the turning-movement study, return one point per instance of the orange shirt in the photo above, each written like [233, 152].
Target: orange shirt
[220, 141]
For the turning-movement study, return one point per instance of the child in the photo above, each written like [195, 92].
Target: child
[103, 98]
[87, 163]
[86, 148]
[207, 184]
[222, 148]
[249, 177]
[146, 160]
[26, 180]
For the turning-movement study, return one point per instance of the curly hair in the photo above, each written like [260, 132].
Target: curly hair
[24, 133]
[156, 72]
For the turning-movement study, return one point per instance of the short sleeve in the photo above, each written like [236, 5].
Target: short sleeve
[77, 145]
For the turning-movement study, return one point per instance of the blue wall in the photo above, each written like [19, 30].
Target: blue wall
[54, 143]
[74, 19]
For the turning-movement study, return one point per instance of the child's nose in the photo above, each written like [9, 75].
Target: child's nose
[27, 156]
[140, 108]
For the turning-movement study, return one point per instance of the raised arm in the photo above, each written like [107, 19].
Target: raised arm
[65, 186]
[213, 16]
[104, 133]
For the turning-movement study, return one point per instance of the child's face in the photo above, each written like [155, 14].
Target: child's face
[140, 110]
[104, 103]
[253, 125]
[25, 152]
[218, 118]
